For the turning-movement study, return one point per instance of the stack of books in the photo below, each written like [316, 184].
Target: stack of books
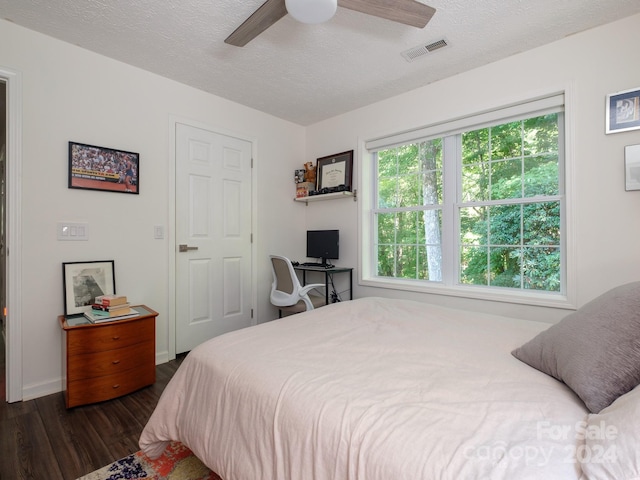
[110, 307]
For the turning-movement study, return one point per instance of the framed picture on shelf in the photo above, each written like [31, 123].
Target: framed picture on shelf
[84, 281]
[623, 111]
[335, 172]
[100, 168]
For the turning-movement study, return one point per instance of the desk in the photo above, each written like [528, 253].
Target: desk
[327, 274]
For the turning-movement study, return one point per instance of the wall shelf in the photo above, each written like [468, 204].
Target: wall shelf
[327, 196]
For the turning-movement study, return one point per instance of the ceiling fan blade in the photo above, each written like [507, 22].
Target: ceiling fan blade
[409, 12]
[269, 13]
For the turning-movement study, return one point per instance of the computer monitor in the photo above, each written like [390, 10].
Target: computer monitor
[323, 244]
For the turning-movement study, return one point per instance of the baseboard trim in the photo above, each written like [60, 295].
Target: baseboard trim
[37, 390]
[162, 357]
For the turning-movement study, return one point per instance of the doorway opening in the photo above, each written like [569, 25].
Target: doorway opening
[11, 310]
[3, 223]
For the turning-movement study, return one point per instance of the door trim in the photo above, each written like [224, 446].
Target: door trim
[14, 235]
[172, 244]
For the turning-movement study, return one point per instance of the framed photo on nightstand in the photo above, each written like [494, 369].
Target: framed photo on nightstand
[84, 281]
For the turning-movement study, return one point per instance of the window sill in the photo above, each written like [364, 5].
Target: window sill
[532, 298]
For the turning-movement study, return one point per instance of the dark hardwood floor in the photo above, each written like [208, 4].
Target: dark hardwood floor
[41, 439]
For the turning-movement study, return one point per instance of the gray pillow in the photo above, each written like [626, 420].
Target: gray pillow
[595, 350]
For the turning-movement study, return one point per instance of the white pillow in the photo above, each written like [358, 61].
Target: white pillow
[612, 440]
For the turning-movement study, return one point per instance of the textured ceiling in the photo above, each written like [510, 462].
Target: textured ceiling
[307, 73]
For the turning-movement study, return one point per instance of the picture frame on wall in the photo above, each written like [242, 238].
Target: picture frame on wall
[84, 281]
[334, 173]
[632, 167]
[100, 168]
[623, 111]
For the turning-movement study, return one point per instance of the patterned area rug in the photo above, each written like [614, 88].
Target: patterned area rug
[176, 463]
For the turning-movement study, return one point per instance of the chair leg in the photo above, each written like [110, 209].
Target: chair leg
[279, 313]
[307, 302]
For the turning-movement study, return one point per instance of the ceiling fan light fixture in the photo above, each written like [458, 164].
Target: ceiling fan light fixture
[311, 11]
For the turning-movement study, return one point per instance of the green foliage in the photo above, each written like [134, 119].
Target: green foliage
[409, 239]
[516, 244]
[509, 233]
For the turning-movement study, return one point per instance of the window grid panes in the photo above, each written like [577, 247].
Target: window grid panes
[408, 216]
[508, 207]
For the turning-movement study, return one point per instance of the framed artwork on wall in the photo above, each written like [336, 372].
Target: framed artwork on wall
[84, 281]
[334, 173]
[100, 168]
[623, 111]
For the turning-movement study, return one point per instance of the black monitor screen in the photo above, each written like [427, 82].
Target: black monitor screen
[323, 244]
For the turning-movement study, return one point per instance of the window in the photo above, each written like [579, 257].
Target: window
[409, 211]
[476, 202]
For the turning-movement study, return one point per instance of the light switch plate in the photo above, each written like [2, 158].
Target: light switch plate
[158, 232]
[73, 231]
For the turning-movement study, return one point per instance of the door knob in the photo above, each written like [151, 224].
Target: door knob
[185, 248]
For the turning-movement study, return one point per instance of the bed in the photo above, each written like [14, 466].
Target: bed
[384, 389]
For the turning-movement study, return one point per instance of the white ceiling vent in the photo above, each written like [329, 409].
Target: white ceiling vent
[421, 50]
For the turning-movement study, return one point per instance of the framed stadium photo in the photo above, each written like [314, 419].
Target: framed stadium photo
[100, 168]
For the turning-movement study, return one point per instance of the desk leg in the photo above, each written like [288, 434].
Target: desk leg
[326, 287]
[326, 284]
[351, 284]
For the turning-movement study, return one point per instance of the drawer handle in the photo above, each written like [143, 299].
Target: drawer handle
[117, 337]
[116, 386]
[115, 362]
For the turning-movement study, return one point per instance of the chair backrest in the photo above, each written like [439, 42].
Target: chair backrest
[281, 274]
[285, 288]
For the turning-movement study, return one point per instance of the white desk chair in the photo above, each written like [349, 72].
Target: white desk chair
[286, 292]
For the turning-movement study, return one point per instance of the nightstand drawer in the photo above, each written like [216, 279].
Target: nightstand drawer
[110, 336]
[110, 362]
[98, 389]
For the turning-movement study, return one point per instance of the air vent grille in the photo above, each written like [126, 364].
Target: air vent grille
[421, 50]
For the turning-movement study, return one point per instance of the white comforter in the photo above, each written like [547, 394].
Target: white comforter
[372, 389]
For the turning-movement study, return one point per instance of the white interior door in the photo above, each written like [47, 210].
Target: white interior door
[213, 235]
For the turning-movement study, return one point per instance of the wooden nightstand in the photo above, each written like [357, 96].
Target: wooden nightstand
[107, 360]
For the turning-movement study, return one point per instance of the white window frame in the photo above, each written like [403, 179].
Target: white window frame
[446, 129]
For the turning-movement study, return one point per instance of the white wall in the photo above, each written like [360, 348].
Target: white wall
[70, 94]
[604, 217]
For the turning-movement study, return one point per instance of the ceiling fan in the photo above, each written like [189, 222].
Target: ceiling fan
[408, 12]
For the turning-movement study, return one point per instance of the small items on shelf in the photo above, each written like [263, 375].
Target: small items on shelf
[308, 186]
[304, 189]
[305, 179]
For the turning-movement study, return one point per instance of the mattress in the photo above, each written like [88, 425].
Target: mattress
[372, 389]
